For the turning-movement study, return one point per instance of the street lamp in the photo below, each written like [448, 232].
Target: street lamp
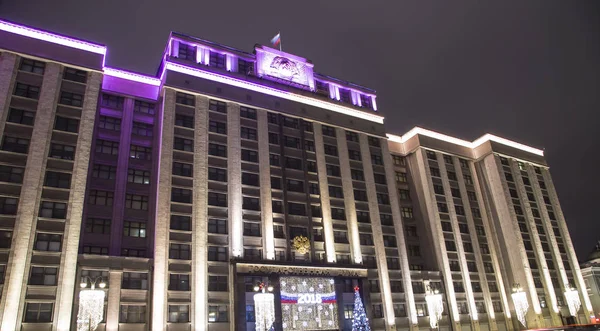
[91, 304]
[264, 307]
[520, 301]
[435, 304]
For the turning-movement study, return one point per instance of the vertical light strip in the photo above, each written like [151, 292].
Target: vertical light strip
[382, 268]
[400, 235]
[535, 238]
[114, 300]
[511, 234]
[199, 55]
[324, 192]
[175, 49]
[266, 203]
[572, 256]
[466, 277]
[163, 212]
[439, 243]
[234, 179]
[374, 103]
[473, 235]
[491, 235]
[200, 217]
[349, 203]
[70, 249]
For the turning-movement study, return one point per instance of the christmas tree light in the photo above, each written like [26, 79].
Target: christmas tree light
[360, 321]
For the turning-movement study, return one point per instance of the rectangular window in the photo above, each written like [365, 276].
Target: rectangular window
[181, 195]
[187, 52]
[338, 214]
[107, 147]
[20, 116]
[217, 150]
[340, 237]
[138, 202]
[100, 198]
[217, 60]
[293, 163]
[15, 145]
[109, 123]
[363, 216]
[296, 209]
[383, 199]
[97, 225]
[143, 107]
[112, 101]
[217, 127]
[180, 252]
[142, 129]
[351, 136]
[360, 195]
[70, 99]
[336, 192]
[295, 185]
[217, 226]
[33, 66]
[245, 67]
[179, 313]
[179, 282]
[185, 99]
[357, 174]
[345, 95]
[217, 199]
[11, 174]
[38, 312]
[248, 133]
[333, 170]
[249, 113]
[328, 131]
[134, 229]
[331, 150]
[57, 179]
[183, 169]
[140, 152]
[75, 75]
[66, 124]
[250, 203]
[366, 239]
[134, 281]
[290, 122]
[217, 253]
[218, 313]
[181, 222]
[218, 106]
[95, 250]
[132, 314]
[138, 176]
[27, 91]
[53, 210]
[291, 142]
[182, 144]
[48, 242]
[43, 276]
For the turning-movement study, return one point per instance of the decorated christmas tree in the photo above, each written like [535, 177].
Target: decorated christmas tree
[360, 321]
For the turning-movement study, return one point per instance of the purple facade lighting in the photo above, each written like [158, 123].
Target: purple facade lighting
[132, 76]
[271, 91]
[52, 37]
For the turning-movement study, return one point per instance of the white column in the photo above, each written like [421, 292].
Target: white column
[70, 246]
[266, 206]
[234, 180]
[535, 238]
[430, 203]
[572, 257]
[382, 267]
[475, 241]
[466, 277]
[163, 213]
[324, 192]
[349, 203]
[511, 235]
[400, 237]
[492, 236]
[8, 64]
[200, 218]
[26, 220]
[114, 300]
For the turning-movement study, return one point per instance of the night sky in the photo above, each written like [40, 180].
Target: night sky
[524, 70]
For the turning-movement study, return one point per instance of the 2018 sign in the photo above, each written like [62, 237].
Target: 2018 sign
[309, 298]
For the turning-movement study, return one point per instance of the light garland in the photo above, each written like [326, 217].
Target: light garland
[521, 306]
[572, 297]
[91, 309]
[308, 303]
[435, 308]
[301, 244]
[264, 309]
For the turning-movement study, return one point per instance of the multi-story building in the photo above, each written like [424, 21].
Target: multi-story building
[590, 269]
[182, 192]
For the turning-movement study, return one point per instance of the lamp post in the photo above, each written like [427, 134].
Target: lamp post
[91, 304]
[264, 307]
[520, 301]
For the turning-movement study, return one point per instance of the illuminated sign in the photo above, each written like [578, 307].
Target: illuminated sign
[275, 64]
[308, 303]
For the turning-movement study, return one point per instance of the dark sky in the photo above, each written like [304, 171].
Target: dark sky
[524, 70]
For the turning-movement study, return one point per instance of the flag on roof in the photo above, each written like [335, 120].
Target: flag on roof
[276, 40]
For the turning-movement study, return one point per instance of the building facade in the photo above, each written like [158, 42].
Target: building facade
[590, 269]
[183, 191]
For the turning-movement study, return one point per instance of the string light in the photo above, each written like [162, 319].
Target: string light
[435, 307]
[91, 309]
[308, 303]
[521, 305]
[360, 321]
[572, 297]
